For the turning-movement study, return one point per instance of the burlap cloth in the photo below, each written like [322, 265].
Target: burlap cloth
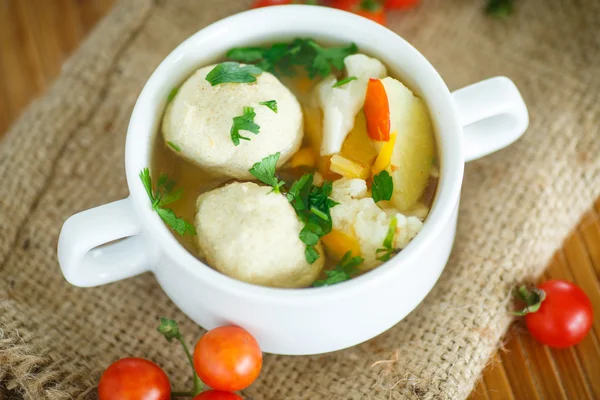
[65, 154]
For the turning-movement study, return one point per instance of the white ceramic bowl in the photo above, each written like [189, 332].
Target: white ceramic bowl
[469, 123]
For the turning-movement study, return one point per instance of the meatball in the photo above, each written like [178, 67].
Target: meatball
[198, 122]
[250, 234]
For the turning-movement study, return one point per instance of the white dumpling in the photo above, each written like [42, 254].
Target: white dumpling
[250, 234]
[199, 119]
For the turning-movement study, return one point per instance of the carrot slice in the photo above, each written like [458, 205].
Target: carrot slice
[339, 243]
[377, 111]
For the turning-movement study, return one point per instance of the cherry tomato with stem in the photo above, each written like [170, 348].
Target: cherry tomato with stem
[371, 9]
[400, 4]
[217, 395]
[134, 379]
[227, 358]
[558, 313]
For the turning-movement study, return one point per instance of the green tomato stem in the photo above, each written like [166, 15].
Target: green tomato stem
[198, 384]
[182, 394]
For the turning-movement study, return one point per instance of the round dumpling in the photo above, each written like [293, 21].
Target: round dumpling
[250, 234]
[197, 123]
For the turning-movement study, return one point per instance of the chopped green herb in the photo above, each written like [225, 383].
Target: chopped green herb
[174, 146]
[383, 186]
[326, 58]
[319, 213]
[272, 104]
[311, 233]
[247, 55]
[298, 193]
[244, 122]
[312, 205]
[388, 250]
[264, 171]
[232, 72]
[281, 58]
[345, 81]
[500, 8]
[311, 254]
[343, 271]
[172, 94]
[163, 195]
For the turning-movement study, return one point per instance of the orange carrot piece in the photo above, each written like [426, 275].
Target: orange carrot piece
[377, 111]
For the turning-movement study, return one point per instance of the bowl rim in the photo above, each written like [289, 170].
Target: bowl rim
[153, 96]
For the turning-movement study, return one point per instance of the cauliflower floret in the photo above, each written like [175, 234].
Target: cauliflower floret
[341, 104]
[406, 229]
[358, 215]
[349, 188]
[250, 234]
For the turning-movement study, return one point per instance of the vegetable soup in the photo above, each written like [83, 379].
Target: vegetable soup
[294, 165]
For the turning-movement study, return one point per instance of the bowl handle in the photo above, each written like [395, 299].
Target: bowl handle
[102, 245]
[493, 115]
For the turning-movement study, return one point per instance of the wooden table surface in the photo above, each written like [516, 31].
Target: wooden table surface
[36, 36]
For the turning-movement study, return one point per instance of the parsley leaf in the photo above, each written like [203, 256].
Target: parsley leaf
[500, 8]
[272, 104]
[244, 122]
[345, 81]
[326, 58]
[281, 58]
[248, 55]
[312, 205]
[383, 186]
[172, 94]
[174, 146]
[264, 171]
[311, 254]
[343, 271]
[388, 243]
[298, 193]
[162, 196]
[232, 72]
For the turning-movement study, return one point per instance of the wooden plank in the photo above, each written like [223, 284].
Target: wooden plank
[543, 368]
[583, 273]
[590, 232]
[568, 365]
[496, 381]
[518, 371]
[480, 391]
[67, 25]
[580, 266]
[22, 76]
[38, 17]
[90, 11]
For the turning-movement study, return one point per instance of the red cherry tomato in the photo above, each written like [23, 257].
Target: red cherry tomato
[227, 358]
[371, 9]
[134, 379]
[217, 395]
[400, 4]
[267, 3]
[565, 315]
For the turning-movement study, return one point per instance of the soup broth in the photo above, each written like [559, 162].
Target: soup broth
[194, 180]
